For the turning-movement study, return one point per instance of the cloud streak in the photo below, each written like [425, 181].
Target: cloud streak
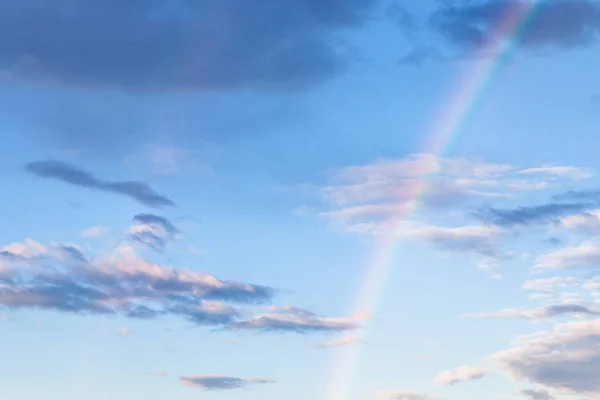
[221, 382]
[73, 175]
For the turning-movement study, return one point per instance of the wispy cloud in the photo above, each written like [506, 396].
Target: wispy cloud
[404, 395]
[94, 231]
[291, 319]
[73, 175]
[152, 231]
[161, 374]
[344, 341]
[464, 373]
[221, 382]
[538, 313]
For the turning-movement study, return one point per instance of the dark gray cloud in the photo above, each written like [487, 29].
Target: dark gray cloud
[176, 45]
[544, 213]
[537, 394]
[73, 175]
[220, 382]
[552, 25]
[152, 231]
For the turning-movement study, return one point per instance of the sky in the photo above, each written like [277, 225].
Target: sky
[300, 199]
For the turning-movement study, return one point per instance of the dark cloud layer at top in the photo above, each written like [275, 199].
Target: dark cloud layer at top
[554, 24]
[180, 45]
[67, 173]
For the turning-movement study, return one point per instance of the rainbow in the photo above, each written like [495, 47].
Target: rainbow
[451, 118]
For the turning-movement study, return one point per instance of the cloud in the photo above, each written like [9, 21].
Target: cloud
[125, 332]
[550, 284]
[554, 24]
[364, 197]
[586, 255]
[565, 359]
[70, 174]
[546, 213]
[538, 313]
[161, 374]
[152, 231]
[537, 394]
[588, 223]
[294, 320]
[94, 231]
[123, 283]
[465, 239]
[199, 45]
[579, 195]
[345, 341]
[404, 395]
[460, 374]
[220, 382]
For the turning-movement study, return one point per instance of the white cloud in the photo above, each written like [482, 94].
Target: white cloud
[588, 223]
[387, 188]
[573, 173]
[404, 395]
[464, 373]
[539, 313]
[565, 359]
[161, 374]
[585, 255]
[94, 231]
[550, 284]
[344, 341]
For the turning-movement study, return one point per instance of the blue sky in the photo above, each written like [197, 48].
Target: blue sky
[195, 193]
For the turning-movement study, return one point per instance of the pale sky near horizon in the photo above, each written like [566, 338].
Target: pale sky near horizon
[238, 200]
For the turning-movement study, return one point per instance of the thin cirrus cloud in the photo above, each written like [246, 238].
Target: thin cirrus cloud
[464, 373]
[379, 192]
[221, 382]
[341, 342]
[291, 43]
[94, 231]
[61, 278]
[73, 175]
[538, 313]
[404, 395]
[292, 319]
[152, 231]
